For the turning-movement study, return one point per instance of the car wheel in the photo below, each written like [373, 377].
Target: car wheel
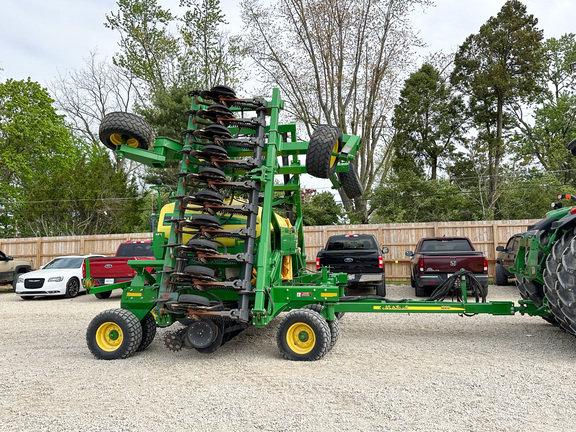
[103, 295]
[381, 289]
[501, 278]
[72, 288]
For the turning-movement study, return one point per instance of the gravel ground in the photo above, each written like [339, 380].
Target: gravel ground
[388, 372]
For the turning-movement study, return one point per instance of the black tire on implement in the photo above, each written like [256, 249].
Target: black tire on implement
[125, 128]
[333, 325]
[114, 334]
[320, 158]
[350, 182]
[148, 331]
[303, 335]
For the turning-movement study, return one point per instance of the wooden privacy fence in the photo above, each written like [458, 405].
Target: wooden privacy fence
[399, 238]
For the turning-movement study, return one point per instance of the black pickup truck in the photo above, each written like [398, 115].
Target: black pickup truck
[358, 255]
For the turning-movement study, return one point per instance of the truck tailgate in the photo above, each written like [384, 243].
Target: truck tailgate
[435, 262]
[359, 261]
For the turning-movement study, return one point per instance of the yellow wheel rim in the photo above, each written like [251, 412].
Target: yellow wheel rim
[335, 153]
[109, 336]
[301, 338]
[117, 140]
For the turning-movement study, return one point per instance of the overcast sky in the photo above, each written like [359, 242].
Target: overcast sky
[39, 39]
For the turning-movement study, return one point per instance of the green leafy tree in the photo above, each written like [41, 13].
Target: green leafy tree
[544, 135]
[86, 195]
[33, 139]
[428, 120]
[320, 209]
[496, 68]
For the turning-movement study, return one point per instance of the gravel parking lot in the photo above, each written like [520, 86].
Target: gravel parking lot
[388, 372]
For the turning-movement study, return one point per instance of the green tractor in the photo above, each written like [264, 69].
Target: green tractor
[545, 265]
[229, 250]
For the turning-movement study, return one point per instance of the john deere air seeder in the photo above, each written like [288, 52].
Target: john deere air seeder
[229, 250]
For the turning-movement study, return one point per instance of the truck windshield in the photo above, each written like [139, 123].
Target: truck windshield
[134, 250]
[448, 245]
[351, 243]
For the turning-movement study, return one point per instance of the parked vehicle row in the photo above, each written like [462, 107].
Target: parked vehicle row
[64, 275]
[432, 262]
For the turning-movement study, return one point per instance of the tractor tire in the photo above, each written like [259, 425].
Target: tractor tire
[103, 295]
[119, 128]
[72, 288]
[530, 290]
[303, 335]
[350, 182]
[566, 286]
[321, 159]
[114, 334]
[501, 278]
[553, 264]
[148, 331]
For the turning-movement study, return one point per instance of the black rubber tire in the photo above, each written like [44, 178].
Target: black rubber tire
[566, 286]
[148, 324]
[319, 159]
[553, 263]
[350, 182]
[419, 291]
[217, 343]
[122, 126]
[381, 289]
[501, 278]
[72, 288]
[107, 327]
[103, 295]
[313, 336]
[199, 270]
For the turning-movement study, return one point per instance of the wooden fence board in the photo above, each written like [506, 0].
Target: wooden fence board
[399, 238]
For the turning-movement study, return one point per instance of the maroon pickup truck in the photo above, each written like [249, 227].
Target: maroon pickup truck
[111, 270]
[435, 259]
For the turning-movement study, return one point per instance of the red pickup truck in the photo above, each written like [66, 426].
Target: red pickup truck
[435, 259]
[110, 270]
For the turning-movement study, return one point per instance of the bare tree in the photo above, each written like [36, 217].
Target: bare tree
[339, 62]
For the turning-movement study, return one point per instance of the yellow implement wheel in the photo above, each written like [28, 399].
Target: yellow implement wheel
[122, 128]
[114, 334]
[118, 139]
[303, 335]
[300, 338]
[109, 336]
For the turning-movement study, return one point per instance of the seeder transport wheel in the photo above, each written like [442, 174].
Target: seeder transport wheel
[350, 182]
[122, 128]
[148, 331]
[303, 335]
[114, 334]
[323, 149]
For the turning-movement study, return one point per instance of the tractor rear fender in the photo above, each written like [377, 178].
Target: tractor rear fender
[567, 222]
[544, 224]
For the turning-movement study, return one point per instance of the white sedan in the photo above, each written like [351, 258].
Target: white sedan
[61, 276]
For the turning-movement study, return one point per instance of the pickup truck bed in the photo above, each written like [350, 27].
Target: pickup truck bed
[358, 255]
[435, 259]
